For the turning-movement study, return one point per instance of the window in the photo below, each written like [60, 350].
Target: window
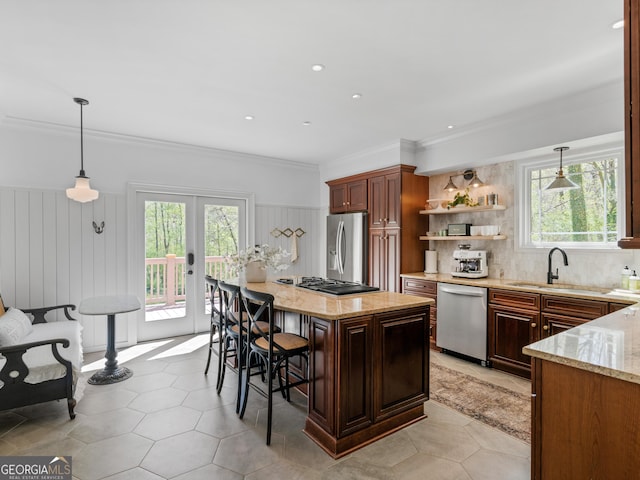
[590, 216]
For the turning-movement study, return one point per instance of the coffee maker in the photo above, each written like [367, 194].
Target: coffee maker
[470, 263]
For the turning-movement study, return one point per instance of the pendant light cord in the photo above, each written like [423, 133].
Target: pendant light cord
[81, 145]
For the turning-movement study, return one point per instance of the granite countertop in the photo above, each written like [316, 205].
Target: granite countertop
[560, 289]
[298, 300]
[609, 345]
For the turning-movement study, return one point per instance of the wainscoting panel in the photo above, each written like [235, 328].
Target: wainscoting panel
[51, 255]
[311, 220]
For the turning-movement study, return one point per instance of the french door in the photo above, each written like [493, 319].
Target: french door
[178, 239]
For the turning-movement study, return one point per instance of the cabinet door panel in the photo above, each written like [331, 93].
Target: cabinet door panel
[357, 196]
[574, 307]
[552, 324]
[401, 366]
[392, 200]
[321, 373]
[338, 198]
[377, 202]
[509, 331]
[354, 345]
[377, 259]
[392, 249]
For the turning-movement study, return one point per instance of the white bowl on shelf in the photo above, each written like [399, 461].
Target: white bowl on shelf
[435, 204]
[475, 230]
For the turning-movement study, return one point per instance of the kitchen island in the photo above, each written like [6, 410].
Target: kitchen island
[368, 361]
[586, 400]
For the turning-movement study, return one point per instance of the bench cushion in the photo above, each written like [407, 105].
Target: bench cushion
[40, 361]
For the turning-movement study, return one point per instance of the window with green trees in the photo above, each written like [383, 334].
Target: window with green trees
[589, 216]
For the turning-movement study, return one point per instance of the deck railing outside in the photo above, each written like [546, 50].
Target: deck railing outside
[165, 277]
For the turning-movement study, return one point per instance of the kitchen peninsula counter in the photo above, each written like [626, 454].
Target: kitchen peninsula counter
[368, 361]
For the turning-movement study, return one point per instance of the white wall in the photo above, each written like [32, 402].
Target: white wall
[49, 253]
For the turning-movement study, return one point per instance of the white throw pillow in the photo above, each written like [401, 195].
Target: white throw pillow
[14, 326]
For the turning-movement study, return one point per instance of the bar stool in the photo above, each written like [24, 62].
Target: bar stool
[215, 319]
[270, 349]
[235, 326]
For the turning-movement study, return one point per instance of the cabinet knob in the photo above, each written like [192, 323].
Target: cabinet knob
[348, 203]
[534, 325]
[545, 327]
[344, 203]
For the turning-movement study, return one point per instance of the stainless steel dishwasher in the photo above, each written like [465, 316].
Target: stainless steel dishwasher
[462, 320]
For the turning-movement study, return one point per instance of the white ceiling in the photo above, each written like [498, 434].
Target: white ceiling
[189, 71]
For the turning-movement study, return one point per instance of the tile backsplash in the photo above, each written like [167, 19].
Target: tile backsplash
[589, 268]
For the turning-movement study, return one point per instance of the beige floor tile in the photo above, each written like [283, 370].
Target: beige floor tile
[134, 474]
[357, 469]
[489, 465]
[156, 400]
[300, 449]
[388, 451]
[180, 454]
[208, 399]
[97, 427]
[446, 441]
[166, 423]
[284, 470]
[247, 452]
[10, 420]
[423, 466]
[110, 456]
[221, 422]
[192, 365]
[436, 412]
[491, 439]
[99, 401]
[60, 448]
[195, 381]
[147, 383]
[211, 472]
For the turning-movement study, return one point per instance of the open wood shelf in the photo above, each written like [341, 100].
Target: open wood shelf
[440, 211]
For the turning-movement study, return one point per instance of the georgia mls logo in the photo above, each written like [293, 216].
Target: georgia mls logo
[35, 468]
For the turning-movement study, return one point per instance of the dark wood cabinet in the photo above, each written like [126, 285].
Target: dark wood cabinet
[631, 123]
[384, 201]
[384, 258]
[348, 196]
[368, 375]
[392, 197]
[517, 319]
[584, 425]
[511, 329]
[429, 289]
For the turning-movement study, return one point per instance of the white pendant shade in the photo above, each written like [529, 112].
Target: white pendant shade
[82, 191]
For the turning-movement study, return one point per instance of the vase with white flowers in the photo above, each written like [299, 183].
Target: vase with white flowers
[254, 262]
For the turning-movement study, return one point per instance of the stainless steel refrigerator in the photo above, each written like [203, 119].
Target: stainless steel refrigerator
[347, 241]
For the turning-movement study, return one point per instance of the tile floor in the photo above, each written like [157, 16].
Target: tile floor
[168, 422]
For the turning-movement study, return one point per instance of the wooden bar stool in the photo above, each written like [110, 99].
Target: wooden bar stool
[270, 350]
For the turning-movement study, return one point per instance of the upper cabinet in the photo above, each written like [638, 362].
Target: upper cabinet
[384, 201]
[347, 196]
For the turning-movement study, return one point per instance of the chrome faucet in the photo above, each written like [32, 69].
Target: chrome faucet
[550, 275]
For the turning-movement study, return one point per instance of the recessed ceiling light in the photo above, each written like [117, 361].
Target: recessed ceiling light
[356, 96]
[618, 24]
[318, 67]
[450, 126]
[307, 123]
[248, 117]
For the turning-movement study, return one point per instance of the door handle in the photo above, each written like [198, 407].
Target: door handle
[190, 260]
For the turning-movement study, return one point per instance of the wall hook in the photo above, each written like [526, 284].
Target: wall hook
[98, 229]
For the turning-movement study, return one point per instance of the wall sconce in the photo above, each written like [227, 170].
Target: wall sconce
[468, 174]
[561, 182]
[82, 191]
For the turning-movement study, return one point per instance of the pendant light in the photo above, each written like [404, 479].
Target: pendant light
[561, 182]
[82, 191]
[475, 181]
[450, 187]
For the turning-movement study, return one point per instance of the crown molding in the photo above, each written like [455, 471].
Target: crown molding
[56, 128]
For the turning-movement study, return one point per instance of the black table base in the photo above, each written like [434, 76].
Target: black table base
[112, 372]
[104, 377]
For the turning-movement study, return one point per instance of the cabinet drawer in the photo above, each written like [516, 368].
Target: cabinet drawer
[511, 298]
[427, 288]
[574, 307]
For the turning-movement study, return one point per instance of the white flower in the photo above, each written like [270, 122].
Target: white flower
[273, 257]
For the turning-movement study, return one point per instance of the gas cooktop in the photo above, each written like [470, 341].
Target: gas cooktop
[334, 287]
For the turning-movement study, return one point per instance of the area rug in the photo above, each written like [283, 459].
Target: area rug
[494, 405]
